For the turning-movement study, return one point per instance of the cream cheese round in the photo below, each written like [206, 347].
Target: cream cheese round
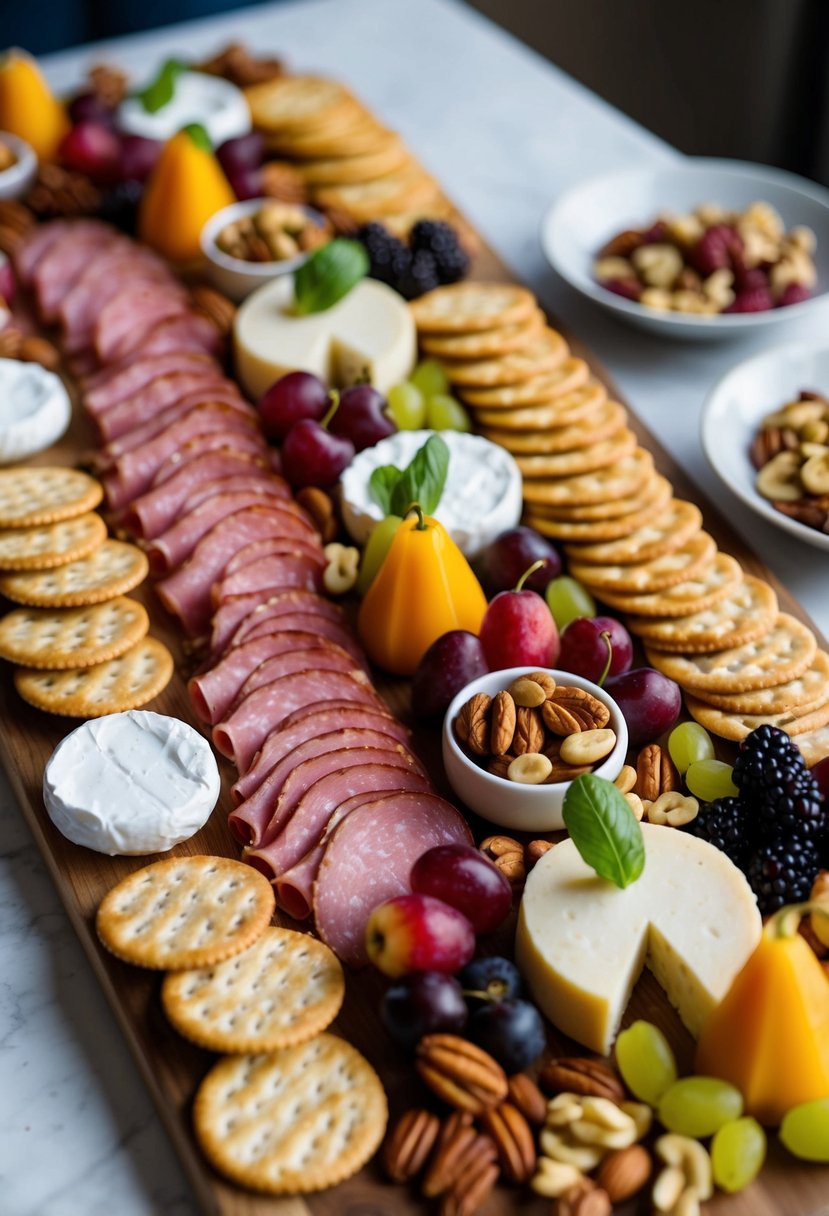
[35, 409]
[131, 783]
[482, 496]
[198, 97]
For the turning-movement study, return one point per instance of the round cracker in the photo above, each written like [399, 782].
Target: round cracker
[470, 306]
[185, 912]
[686, 562]
[294, 104]
[72, 637]
[599, 455]
[741, 617]
[284, 989]
[781, 653]
[32, 496]
[601, 529]
[487, 343]
[387, 156]
[794, 721]
[664, 532]
[113, 569]
[813, 744]
[128, 682]
[655, 492]
[715, 583]
[545, 351]
[293, 1121]
[808, 690]
[599, 485]
[576, 399]
[407, 187]
[606, 420]
[44, 546]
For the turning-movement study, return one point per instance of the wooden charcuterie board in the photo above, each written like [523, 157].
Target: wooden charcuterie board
[172, 1067]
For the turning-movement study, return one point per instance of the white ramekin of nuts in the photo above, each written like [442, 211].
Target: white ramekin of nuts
[18, 166]
[250, 243]
[513, 741]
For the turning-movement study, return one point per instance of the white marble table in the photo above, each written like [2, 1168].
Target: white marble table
[505, 132]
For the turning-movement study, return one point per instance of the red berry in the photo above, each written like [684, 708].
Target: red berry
[312, 456]
[757, 300]
[656, 234]
[91, 148]
[630, 289]
[720, 246]
[795, 293]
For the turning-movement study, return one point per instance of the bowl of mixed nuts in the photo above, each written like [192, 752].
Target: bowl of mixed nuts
[513, 741]
[765, 432]
[249, 243]
[18, 166]
[699, 249]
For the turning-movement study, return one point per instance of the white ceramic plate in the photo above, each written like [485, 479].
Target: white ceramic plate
[734, 409]
[586, 217]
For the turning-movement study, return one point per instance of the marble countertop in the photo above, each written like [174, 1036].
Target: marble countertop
[505, 132]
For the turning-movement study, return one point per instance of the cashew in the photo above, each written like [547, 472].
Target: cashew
[690, 301]
[763, 216]
[711, 213]
[803, 238]
[584, 1157]
[718, 288]
[815, 474]
[626, 779]
[688, 1204]
[605, 1113]
[636, 805]
[532, 768]
[613, 268]
[341, 572]
[641, 1114]
[684, 229]
[656, 297]
[563, 1109]
[588, 746]
[794, 266]
[671, 808]
[586, 1132]
[816, 430]
[779, 480]
[553, 1178]
[758, 246]
[668, 1188]
[796, 414]
[658, 265]
[527, 693]
[809, 448]
[691, 1157]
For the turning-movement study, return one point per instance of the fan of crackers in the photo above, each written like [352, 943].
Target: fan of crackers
[79, 643]
[289, 1109]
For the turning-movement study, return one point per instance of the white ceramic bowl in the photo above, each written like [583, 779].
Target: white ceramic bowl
[583, 219]
[233, 276]
[526, 808]
[18, 178]
[734, 409]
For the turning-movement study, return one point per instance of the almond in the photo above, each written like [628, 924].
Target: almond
[624, 1173]
[472, 723]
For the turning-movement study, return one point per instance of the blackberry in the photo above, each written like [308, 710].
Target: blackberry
[388, 257]
[794, 808]
[119, 205]
[728, 825]
[773, 779]
[442, 241]
[418, 277]
[766, 758]
[782, 873]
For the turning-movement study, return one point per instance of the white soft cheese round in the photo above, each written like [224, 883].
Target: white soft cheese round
[35, 410]
[198, 97]
[482, 496]
[131, 783]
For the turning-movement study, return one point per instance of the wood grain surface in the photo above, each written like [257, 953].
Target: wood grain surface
[172, 1067]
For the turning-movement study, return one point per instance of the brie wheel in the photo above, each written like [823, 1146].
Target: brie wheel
[132, 783]
[198, 97]
[35, 410]
[582, 942]
[481, 499]
[368, 335]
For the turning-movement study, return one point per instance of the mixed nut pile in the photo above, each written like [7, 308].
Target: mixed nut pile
[711, 261]
[791, 455]
[276, 232]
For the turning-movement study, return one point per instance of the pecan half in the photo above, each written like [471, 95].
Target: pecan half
[499, 766]
[577, 1075]
[574, 709]
[472, 724]
[502, 726]
[473, 1186]
[566, 772]
[408, 1144]
[514, 1141]
[461, 1074]
[216, 307]
[536, 850]
[16, 216]
[451, 1151]
[529, 732]
[767, 443]
[319, 506]
[525, 1095]
[655, 773]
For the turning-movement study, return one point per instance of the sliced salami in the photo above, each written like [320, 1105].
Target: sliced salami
[322, 627]
[145, 431]
[164, 391]
[234, 617]
[156, 510]
[122, 324]
[186, 332]
[271, 547]
[110, 387]
[174, 546]
[269, 575]
[34, 246]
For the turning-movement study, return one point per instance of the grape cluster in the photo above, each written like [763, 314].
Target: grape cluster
[432, 257]
[777, 829]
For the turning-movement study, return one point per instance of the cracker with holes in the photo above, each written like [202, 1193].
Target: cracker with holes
[185, 912]
[292, 1121]
[113, 569]
[128, 682]
[33, 496]
[283, 990]
[72, 637]
[46, 545]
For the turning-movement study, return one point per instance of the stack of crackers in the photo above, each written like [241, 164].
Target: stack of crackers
[587, 483]
[348, 161]
[80, 644]
[289, 1109]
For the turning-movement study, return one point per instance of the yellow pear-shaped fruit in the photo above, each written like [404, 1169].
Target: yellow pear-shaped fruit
[28, 108]
[186, 187]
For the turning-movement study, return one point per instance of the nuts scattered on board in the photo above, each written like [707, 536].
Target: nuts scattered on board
[671, 809]
[655, 773]
[409, 1143]
[343, 565]
[319, 506]
[514, 1141]
[625, 1172]
[525, 1096]
[461, 1074]
[573, 1074]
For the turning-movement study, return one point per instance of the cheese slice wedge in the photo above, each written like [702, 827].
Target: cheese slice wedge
[582, 942]
[368, 335]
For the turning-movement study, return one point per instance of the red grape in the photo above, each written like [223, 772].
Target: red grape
[297, 395]
[450, 663]
[820, 772]
[138, 157]
[361, 417]
[464, 878]
[312, 456]
[507, 557]
[243, 153]
[584, 647]
[91, 148]
[246, 183]
[518, 630]
[88, 107]
[650, 703]
[424, 1003]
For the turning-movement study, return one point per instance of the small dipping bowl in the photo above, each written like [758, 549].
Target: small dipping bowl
[510, 804]
[234, 276]
[18, 178]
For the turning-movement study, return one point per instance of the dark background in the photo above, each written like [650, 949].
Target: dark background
[741, 78]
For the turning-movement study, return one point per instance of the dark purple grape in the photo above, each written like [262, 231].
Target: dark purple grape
[427, 1002]
[361, 417]
[511, 1031]
[450, 663]
[138, 157]
[650, 703]
[246, 183]
[312, 456]
[297, 395]
[507, 557]
[496, 979]
[243, 153]
[462, 877]
[87, 107]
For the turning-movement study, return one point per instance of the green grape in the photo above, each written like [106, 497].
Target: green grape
[805, 1130]
[374, 554]
[567, 599]
[710, 779]
[430, 378]
[444, 413]
[688, 743]
[699, 1106]
[645, 1061]
[407, 406]
[737, 1154]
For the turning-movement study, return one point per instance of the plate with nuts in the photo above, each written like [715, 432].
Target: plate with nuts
[513, 741]
[250, 243]
[765, 432]
[698, 249]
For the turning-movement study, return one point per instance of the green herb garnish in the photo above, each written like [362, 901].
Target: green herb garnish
[604, 829]
[422, 481]
[160, 91]
[329, 275]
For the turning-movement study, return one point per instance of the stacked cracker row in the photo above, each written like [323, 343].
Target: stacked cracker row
[587, 483]
[347, 161]
[288, 1109]
[80, 643]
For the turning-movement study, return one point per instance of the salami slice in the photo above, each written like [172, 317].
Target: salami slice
[112, 386]
[156, 510]
[368, 860]
[174, 546]
[236, 617]
[269, 575]
[164, 391]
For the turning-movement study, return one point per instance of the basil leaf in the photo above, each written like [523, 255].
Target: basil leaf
[328, 275]
[381, 485]
[424, 479]
[159, 92]
[604, 829]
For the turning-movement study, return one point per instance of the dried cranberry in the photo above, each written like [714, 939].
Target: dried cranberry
[656, 234]
[631, 289]
[720, 246]
[757, 300]
[795, 293]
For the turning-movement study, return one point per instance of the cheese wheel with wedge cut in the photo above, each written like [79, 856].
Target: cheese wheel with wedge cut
[582, 942]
